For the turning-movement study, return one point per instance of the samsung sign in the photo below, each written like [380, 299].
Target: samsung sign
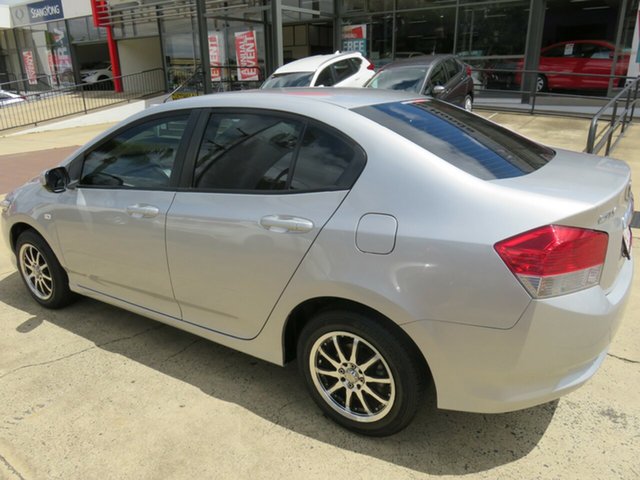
[37, 12]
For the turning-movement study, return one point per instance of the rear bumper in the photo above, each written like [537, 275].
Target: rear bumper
[556, 346]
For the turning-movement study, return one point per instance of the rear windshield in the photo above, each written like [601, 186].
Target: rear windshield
[463, 139]
[295, 79]
[408, 79]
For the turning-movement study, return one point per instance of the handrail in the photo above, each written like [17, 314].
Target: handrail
[617, 120]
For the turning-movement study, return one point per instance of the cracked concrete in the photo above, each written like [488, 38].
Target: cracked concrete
[92, 392]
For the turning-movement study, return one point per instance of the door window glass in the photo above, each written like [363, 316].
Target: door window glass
[438, 77]
[325, 78]
[242, 151]
[343, 70]
[453, 67]
[141, 157]
[326, 161]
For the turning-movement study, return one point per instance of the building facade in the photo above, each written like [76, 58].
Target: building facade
[51, 41]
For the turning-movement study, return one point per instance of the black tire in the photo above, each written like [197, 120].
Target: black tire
[42, 274]
[542, 85]
[400, 365]
[468, 103]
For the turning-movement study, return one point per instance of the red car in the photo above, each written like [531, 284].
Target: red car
[579, 56]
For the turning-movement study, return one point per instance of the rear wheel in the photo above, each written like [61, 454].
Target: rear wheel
[41, 272]
[362, 374]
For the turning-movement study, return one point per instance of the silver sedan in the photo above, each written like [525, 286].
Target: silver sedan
[390, 244]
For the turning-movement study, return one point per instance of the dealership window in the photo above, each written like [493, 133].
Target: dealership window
[425, 32]
[181, 49]
[372, 35]
[10, 70]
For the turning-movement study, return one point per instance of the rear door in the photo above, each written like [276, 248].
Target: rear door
[262, 185]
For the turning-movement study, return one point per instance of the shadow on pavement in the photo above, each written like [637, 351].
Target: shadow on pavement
[437, 442]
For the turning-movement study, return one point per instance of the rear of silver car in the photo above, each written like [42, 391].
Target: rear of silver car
[510, 336]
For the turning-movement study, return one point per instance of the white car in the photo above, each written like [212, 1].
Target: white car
[99, 73]
[8, 98]
[348, 69]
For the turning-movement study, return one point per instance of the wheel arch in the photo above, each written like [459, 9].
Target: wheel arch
[306, 310]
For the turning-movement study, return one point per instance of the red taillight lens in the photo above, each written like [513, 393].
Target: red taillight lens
[371, 66]
[468, 70]
[554, 259]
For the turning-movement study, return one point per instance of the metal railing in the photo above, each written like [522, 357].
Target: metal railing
[620, 110]
[54, 103]
[583, 93]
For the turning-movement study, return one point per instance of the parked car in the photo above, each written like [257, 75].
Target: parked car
[442, 76]
[349, 69]
[579, 56]
[387, 242]
[9, 98]
[99, 74]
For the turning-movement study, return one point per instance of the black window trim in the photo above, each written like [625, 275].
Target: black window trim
[77, 164]
[188, 170]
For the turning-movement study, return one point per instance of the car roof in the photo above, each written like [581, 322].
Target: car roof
[311, 64]
[281, 98]
[421, 61]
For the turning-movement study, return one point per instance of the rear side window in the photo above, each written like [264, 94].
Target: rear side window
[453, 67]
[265, 151]
[326, 161]
[246, 152]
[467, 141]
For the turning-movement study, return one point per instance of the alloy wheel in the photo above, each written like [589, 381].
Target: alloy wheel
[36, 272]
[352, 376]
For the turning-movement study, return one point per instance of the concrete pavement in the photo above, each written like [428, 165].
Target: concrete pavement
[94, 392]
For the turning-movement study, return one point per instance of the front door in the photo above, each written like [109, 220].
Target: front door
[113, 233]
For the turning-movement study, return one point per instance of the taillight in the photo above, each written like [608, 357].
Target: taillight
[554, 260]
[371, 66]
[468, 70]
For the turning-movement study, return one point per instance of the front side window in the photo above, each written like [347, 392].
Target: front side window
[438, 76]
[141, 157]
[325, 78]
[453, 67]
[343, 70]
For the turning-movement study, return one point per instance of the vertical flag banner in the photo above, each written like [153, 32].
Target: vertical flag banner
[634, 57]
[52, 66]
[247, 55]
[216, 49]
[29, 66]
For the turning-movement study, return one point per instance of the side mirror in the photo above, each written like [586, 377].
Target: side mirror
[437, 90]
[55, 180]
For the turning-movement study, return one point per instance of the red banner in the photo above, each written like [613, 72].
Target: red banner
[29, 66]
[247, 55]
[215, 57]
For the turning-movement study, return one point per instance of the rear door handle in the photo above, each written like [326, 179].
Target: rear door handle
[286, 223]
[141, 210]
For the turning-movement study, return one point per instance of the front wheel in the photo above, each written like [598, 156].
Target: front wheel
[468, 103]
[541, 84]
[362, 374]
[41, 272]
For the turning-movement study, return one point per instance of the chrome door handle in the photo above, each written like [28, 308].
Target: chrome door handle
[142, 211]
[286, 223]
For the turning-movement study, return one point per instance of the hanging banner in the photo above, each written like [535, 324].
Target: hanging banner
[29, 66]
[354, 38]
[634, 57]
[52, 67]
[216, 49]
[62, 57]
[247, 55]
